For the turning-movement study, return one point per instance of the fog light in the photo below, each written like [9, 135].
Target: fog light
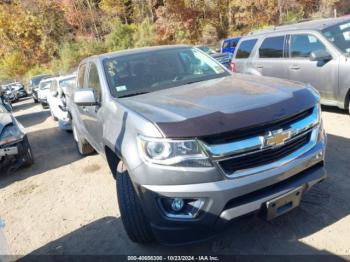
[177, 204]
[181, 207]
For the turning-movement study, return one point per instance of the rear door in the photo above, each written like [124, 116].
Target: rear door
[271, 58]
[321, 75]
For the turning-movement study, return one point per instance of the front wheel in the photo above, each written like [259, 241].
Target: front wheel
[135, 223]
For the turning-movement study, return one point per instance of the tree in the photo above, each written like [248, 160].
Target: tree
[144, 34]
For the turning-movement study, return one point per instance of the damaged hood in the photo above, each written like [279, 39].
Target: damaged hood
[221, 105]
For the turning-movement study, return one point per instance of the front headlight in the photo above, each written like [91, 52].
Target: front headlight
[180, 153]
[9, 134]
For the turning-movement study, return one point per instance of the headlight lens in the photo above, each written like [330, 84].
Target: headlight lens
[10, 133]
[182, 153]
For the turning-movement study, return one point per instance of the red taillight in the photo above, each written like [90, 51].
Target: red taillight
[233, 67]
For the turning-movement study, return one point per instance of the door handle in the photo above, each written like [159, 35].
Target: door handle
[294, 67]
[259, 66]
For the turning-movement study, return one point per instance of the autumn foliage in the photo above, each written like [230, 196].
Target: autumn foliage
[53, 35]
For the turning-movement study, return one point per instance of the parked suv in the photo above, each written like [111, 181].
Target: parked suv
[314, 52]
[193, 146]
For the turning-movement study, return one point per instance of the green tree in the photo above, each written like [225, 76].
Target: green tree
[144, 34]
[120, 38]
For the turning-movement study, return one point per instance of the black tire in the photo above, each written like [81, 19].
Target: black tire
[84, 147]
[134, 220]
[35, 100]
[28, 154]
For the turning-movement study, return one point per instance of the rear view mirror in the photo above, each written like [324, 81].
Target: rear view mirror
[85, 97]
[320, 55]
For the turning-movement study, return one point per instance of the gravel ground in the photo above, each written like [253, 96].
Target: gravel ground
[66, 204]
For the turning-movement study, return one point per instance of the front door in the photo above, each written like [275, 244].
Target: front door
[323, 75]
[92, 115]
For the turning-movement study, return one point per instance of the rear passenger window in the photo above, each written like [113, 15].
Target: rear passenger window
[272, 47]
[303, 45]
[245, 48]
[81, 76]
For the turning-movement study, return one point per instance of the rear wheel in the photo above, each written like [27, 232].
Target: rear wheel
[134, 220]
[84, 147]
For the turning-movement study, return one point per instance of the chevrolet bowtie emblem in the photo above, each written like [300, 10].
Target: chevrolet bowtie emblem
[277, 138]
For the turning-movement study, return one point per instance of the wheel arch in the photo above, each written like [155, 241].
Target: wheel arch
[347, 99]
[113, 159]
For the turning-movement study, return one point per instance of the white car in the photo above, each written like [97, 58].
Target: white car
[44, 90]
[57, 100]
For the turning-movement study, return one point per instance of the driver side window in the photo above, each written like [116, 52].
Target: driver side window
[94, 81]
[302, 45]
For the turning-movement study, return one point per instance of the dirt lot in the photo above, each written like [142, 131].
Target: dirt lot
[66, 204]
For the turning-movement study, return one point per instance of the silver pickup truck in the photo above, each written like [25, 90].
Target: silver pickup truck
[191, 145]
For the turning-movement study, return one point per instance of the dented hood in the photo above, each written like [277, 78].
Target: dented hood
[221, 105]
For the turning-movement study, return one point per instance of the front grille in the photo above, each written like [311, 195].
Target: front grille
[254, 130]
[263, 157]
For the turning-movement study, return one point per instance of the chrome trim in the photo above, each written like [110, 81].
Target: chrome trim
[278, 163]
[258, 143]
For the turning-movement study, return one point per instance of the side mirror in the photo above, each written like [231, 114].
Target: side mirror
[320, 55]
[85, 97]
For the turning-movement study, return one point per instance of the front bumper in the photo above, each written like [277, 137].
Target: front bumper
[13, 154]
[228, 199]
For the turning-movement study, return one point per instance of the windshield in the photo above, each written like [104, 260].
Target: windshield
[339, 35]
[68, 82]
[36, 80]
[45, 85]
[155, 70]
[207, 50]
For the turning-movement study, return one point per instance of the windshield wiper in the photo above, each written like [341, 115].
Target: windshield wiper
[193, 81]
[133, 94]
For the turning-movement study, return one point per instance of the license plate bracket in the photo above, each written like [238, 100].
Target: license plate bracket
[284, 203]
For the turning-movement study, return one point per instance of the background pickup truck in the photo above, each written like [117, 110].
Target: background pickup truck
[193, 146]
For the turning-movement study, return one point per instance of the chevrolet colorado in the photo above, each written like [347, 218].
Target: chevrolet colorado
[193, 146]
